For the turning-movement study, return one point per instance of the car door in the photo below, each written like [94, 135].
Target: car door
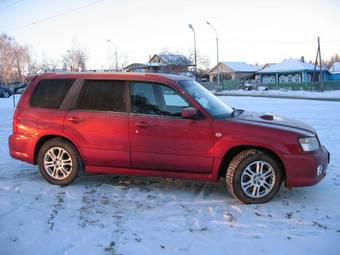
[99, 123]
[160, 138]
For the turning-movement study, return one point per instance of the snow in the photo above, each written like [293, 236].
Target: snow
[331, 94]
[335, 68]
[289, 65]
[240, 66]
[136, 215]
[175, 59]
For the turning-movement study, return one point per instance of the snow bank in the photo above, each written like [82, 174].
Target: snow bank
[285, 93]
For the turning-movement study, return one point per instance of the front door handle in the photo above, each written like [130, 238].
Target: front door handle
[143, 124]
[76, 119]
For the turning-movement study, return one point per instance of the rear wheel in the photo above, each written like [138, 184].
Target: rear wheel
[253, 177]
[59, 162]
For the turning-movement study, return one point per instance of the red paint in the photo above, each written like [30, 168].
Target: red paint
[133, 144]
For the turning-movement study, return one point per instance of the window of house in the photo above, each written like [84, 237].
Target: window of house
[103, 95]
[297, 78]
[290, 79]
[50, 93]
[282, 79]
[156, 99]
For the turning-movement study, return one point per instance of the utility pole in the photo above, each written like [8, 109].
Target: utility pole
[219, 87]
[193, 30]
[318, 56]
[116, 53]
[321, 75]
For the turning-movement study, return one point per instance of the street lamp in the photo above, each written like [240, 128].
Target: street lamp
[116, 54]
[218, 68]
[70, 61]
[193, 30]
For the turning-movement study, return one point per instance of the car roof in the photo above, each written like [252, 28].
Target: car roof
[114, 75]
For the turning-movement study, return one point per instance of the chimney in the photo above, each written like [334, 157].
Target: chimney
[302, 59]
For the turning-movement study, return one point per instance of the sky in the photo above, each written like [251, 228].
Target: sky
[261, 31]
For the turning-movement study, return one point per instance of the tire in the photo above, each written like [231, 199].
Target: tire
[253, 177]
[59, 162]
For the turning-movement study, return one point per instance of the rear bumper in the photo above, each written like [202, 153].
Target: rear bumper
[20, 148]
[302, 170]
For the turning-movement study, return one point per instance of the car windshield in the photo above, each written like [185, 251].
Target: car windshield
[213, 105]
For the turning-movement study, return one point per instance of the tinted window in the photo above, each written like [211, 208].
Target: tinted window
[98, 95]
[50, 93]
[156, 99]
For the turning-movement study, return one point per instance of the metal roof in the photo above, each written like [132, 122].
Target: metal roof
[289, 65]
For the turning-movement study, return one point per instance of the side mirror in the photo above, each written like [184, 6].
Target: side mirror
[189, 113]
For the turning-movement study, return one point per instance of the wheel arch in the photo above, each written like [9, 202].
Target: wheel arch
[231, 153]
[42, 140]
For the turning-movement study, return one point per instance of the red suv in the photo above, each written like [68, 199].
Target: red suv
[159, 125]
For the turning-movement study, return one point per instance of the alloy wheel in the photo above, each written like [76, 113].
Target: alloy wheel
[258, 179]
[58, 163]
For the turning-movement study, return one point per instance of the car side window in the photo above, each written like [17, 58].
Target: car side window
[50, 93]
[156, 99]
[103, 95]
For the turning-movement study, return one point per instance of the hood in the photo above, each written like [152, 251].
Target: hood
[275, 120]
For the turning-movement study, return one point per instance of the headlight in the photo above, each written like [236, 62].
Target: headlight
[309, 143]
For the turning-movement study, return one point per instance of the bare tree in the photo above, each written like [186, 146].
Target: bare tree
[32, 65]
[21, 61]
[15, 60]
[7, 59]
[75, 59]
[117, 61]
[332, 60]
[203, 61]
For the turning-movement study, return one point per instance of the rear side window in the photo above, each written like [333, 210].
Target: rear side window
[102, 95]
[50, 93]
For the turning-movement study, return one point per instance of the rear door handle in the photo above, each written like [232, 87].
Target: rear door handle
[76, 119]
[143, 124]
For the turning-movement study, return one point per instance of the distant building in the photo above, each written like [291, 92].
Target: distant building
[233, 71]
[164, 63]
[135, 67]
[290, 71]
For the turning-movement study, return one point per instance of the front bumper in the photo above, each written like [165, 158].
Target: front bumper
[302, 170]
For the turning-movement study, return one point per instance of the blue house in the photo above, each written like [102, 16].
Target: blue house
[291, 71]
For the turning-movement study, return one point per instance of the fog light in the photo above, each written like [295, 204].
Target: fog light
[319, 170]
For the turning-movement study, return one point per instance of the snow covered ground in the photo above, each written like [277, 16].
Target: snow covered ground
[135, 215]
[286, 93]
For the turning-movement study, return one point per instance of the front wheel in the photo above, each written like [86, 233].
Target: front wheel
[59, 162]
[253, 177]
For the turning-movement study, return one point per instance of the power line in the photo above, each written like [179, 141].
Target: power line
[57, 15]
[10, 5]
[279, 42]
[3, 1]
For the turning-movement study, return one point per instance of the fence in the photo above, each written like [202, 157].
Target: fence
[316, 86]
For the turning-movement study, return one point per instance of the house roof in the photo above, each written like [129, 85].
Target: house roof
[240, 66]
[175, 59]
[335, 68]
[135, 66]
[289, 65]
